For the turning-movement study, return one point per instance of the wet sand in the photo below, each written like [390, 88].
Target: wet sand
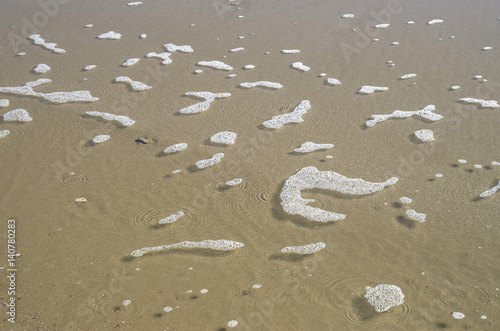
[75, 268]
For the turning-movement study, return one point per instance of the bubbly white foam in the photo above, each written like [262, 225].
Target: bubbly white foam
[405, 200]
[384, 296]
[168, 309]
[126, 302]
[232, 324]
[234, 182]
[487, 48]
[182, 48]
[395, 43]
[175, 148]
[311, 147]
[333, 81]
[90, 67]
[4, 103]
[204, 105]
[219, 245]
[483, 103]
[437, 21]
[408, 76]
[136, 85]
[202, 164]
[215, 64]
[306, 249]
[300, 66]
[347, 16]
[457, 315]
[124, 120]
[89, 25]
[462, 161]
[164, 56]
[410, 22]
[323, 74]
[198, 71]
[293, 117]
[237, 49]
[495, 163]
[420, 217]
[249, 66]
[382, 26]
[311, 177]
[110, 35]
[17, 115]
[57, 97]
[172, 218]
[262, 83]
[101, 138]
[143, 36]
[130, 62]
[51, 46]
[224, 137]
[134, 3]
[427, 113]
[203, 291]
[232, 75]
[176, 171]
[290, 51]
[491, 191]
[367, 89]
[425, 135]
[41, 68]
[4, 133]
[455, 87]
[478, 166]
[439, 175]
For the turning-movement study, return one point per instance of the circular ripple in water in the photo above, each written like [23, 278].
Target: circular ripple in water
[468, 297]
[73, 179]
[4, 143]
[245, 203]
[108, 304]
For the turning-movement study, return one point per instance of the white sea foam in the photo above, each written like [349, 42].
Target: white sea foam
[487, 48]
[293, 117]
[89, 67]
[231, 75]
[333, 81]
[164, 56]
[89, 25]
[410, 22]
[395, 43]
[41, 68]
[176, 171]
[300, 66]
[427, 113]
[457, 315]
[210, 162]
[237, 49]
[384, 296]
[462, 161]
[57, 97]
[17, 115]
[435, 22]
[51, 46]
[311, 177]
[172, 218]
[204, 105]
[382, 26]
[4, 103]
[224, 137]
[455, 87]
[130, 62]
[110, 35]
[347, 16]
[232, 324]
[101, 138]
[183, 48]
[219, 245]
[198, 71]
[439, 175]
[234, 182]
[323, 74]
[478, 77]
[138, 86]
[126, 302]
[143, 36]
[290, 51]
[408, 76]
[420, 217]
[483, 103]
[367, 89]
[124, 120]
[215, 64]
[4, 133]
[134, 3]
[405, 200]
[478, 166]
[175, 148]
[249, 66]
[495, 163]
[262, 83]
[168, 309]
[491, 191]
[306, 249]
[311, 147]
[425, 135]
[21, 54]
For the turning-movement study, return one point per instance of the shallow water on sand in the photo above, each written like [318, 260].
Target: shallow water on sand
[75, 269]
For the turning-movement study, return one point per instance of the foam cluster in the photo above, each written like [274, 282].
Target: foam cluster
[4, 133]
[420, 217]
[333, 81]
[100, 138]
[89, 67]
[204, 105]
[293, 117]
[384, 296]
[304, 250]
[262, 83]
[124, 120]
[311, 177]
[437, 21]
[18, 115]
[290, 51]
[300, 66]
[41, 68]
[110, 35]
[491, 191]
[218, 245]
[347, 16]
[4, 103]
[427, 113]
[138, 86]
[405, 200]
[458, 315]
[130, 62]
[311, 147]
[382, 26]
[367, 89]
[224, 137]
[249, 66]
[57, 97]
[237, 49]
[136, 3]
[51, 46]
[234, 182]
[164, 56]
[408, 76]
[175, 148]
[425, 135]
[172, 218]
[483, 103]
[183, 48]
[202, 164]
[215, 64]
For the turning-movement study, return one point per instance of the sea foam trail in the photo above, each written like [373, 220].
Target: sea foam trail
[367, 89]
[124, 120]
[202, 164]
[304, 250]
[218, 245]
[491, 191]
[164, 56]
[311, 147]
[483, 103]
[293, 117]
[17, 115]
[136, 85]
[427, 113]
[215, 64]
[50, 46]
[262, 83]
[204, 105]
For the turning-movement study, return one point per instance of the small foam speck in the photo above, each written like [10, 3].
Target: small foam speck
[110, 35]
[300, 66]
